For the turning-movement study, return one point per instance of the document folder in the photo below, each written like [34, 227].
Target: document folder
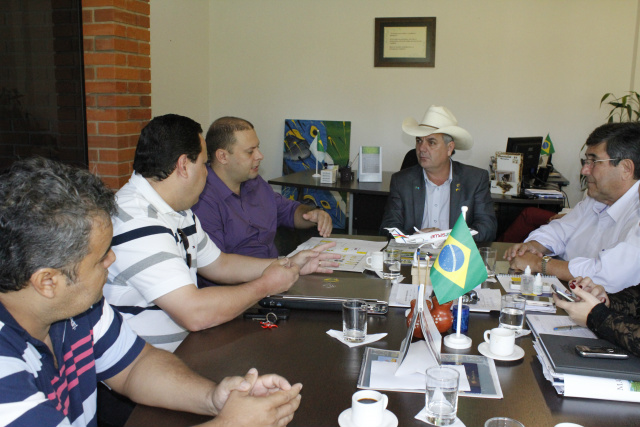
[562, 354]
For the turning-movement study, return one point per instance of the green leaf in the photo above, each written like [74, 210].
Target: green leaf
[605, 96]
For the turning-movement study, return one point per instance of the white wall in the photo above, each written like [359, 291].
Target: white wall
[180, 58]
[504, 67]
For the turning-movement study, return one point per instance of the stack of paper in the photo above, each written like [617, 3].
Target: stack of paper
[543, 193]
[402, 294]
[571, 385]
[353, 252]
[479, 377]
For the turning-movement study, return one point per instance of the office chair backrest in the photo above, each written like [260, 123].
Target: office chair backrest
[410, 159]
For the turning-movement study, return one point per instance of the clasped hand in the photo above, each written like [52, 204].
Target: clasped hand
[522, 254]
[255, 401]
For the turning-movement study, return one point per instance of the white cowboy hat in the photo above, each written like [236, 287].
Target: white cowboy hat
[439, 120]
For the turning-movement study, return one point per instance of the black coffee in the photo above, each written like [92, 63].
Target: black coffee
[367, 400]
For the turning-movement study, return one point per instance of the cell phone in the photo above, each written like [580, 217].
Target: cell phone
[601, 352]
[259, 313]
[561, 294]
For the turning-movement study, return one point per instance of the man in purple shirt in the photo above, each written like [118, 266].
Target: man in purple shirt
[237, 208]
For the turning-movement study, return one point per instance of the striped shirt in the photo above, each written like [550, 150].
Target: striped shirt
[91, 347]
[151, 260]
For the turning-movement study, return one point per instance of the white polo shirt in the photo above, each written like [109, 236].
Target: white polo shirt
[151, 260]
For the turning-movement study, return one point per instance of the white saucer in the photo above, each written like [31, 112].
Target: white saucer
[518, 353]
[369, 267]
[389, 419]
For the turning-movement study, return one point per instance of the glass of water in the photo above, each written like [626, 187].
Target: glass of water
[392, 264]
[354, 320]
[442, 395]
[512, 311]
[489, 256]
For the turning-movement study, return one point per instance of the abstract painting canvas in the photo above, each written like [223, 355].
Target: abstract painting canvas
[325, 142]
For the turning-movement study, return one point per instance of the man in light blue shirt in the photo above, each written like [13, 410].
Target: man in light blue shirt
[599, 238]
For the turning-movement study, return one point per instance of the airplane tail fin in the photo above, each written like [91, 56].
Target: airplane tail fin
[398, 235]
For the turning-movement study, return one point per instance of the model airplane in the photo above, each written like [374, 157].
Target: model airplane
[432, 238]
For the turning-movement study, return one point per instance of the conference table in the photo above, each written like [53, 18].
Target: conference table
[300, 350]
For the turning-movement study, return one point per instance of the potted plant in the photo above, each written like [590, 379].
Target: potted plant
[623, 109]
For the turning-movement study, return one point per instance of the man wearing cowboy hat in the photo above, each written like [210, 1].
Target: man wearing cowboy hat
[429, 196]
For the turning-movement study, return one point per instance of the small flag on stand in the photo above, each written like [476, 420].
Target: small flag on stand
[547, 146]
[459, 267]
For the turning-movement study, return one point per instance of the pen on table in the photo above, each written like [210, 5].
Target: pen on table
[567, 328]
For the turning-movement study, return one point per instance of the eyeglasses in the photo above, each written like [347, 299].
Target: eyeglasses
[185, 244]
[591, 162]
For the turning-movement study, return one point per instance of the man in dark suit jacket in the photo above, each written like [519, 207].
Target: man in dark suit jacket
[429, 196]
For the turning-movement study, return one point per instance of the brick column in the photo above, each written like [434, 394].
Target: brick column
[117, 83]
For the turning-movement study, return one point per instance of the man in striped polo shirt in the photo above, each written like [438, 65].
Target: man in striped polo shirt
[160, 245]
[58, 337]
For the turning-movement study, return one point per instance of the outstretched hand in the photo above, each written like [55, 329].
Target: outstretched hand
[323, 219]
[316, 260]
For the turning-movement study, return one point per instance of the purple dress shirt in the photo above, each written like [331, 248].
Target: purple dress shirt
[244, 224]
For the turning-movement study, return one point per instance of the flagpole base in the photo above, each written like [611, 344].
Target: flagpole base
[457, 342]
[316, 175]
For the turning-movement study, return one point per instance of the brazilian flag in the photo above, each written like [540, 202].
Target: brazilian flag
[547, 146]
[459, 267]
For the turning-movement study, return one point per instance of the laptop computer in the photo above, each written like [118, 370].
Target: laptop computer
[322, 292]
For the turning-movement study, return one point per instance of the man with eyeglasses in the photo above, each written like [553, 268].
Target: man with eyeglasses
[600, 237]
[160, 245]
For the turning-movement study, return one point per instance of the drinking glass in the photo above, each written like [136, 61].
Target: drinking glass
[354, 320]
[392, 265]
[489, 256]
[502, 422]
[512, 311]
[441, 395]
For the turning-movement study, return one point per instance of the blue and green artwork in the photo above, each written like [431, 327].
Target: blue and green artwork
[327, 142]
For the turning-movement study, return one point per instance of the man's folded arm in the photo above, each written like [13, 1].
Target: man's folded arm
[158, 378]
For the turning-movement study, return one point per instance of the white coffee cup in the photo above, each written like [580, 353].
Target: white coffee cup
[501, 341]
[367, 408]
[376, 260]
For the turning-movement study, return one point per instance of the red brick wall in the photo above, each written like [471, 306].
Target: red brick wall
[117, 83]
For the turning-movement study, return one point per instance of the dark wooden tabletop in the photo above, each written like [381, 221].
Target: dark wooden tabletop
[305, 179]
[300, 350]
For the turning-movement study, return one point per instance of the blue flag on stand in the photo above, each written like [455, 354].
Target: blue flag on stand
[459, 267]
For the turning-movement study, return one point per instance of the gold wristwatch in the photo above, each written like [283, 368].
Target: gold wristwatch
[545, 260]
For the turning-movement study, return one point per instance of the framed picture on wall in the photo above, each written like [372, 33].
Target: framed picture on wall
[405, 42]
